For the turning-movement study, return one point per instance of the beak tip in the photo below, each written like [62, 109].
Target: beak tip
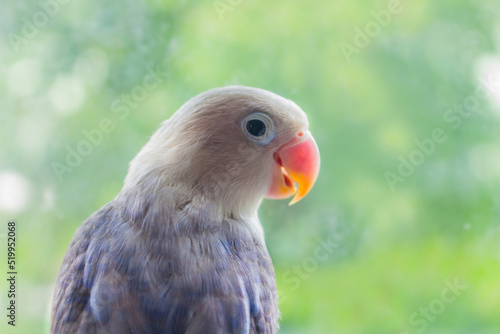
[295, 199]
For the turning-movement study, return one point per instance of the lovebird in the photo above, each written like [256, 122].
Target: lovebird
[180, 249]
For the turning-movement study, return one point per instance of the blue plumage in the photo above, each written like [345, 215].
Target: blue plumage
[123, 275]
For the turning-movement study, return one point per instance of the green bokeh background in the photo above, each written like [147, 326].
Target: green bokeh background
[394, 248]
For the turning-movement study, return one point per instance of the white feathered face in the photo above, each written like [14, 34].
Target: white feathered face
[235, 145]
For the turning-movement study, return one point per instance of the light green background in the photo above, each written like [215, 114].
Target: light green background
[393, 248]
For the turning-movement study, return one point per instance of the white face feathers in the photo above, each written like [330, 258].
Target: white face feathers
[220, 146]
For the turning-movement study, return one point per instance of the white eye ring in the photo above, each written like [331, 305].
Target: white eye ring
[258, 127]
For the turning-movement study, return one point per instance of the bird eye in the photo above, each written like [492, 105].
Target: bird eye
[258, 127]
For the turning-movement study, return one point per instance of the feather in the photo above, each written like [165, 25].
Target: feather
[181, 249]
[128, 271]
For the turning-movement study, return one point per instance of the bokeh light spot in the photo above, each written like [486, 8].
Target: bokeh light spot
[67, 94]
[14, 191]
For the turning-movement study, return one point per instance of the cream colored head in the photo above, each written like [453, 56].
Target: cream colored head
[205, 147]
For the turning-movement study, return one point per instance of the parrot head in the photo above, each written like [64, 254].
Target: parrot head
[233, 145]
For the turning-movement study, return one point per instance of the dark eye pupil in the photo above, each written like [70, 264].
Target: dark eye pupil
[256, 127]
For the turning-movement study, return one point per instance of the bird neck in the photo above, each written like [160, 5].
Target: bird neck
[152, 203]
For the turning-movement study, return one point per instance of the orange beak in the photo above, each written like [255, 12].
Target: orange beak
[296, 170]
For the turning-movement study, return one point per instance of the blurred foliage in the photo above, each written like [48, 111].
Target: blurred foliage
[393, 249]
